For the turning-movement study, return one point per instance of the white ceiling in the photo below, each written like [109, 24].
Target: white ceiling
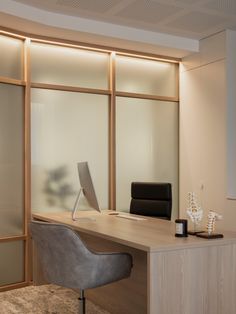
[187, 20]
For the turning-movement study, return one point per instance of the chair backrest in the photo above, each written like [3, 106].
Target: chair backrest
[151, 199]
[66, 261]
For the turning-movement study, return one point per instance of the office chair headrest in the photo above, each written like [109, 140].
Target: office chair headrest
[151, 190]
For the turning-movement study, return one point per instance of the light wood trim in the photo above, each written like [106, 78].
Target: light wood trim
[8, 80]
[69, 44]
[110, 92]
[13, 238]
[177, 81]
[112, 135]
[145, 96]
[11, 33]
[148, 57]
[27, 159]
[13, 286]
[71, 88]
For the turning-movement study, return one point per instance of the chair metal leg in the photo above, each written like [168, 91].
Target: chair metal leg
[81, 302]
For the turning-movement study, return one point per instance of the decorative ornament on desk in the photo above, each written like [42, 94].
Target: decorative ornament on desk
[194, 212]
[211, 219]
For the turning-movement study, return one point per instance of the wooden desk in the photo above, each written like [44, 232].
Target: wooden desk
[170, 275]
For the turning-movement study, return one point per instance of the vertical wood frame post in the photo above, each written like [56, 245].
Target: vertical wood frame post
[27, 159]
[112, 134]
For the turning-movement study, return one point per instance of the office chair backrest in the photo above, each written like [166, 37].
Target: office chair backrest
[67, 262]
[151, 199]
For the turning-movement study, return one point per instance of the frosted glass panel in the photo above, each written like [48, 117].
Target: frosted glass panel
[10, 56]
[69, 66]
[147, 146]
[11, 160]
[146, 76]
[11, 262]
[67, 128]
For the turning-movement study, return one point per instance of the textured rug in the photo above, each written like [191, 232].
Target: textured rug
[46, 299]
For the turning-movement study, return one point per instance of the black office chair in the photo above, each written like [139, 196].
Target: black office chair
[67, 262]
[151, 199]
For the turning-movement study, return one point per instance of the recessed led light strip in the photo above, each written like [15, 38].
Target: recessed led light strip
[98, 48]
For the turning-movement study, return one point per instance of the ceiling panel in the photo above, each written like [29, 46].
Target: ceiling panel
[147, 11]
[197, 22]
[100, 6]
[222, 6]
[194, 19]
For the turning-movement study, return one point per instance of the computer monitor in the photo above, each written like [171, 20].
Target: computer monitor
[87, 188]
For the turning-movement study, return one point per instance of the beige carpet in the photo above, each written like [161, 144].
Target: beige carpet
[47, 299]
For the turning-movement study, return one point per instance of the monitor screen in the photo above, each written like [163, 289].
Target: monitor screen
[87, 188]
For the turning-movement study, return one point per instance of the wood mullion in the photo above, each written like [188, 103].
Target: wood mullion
[27, 159]
[112, 136]
[177, 81]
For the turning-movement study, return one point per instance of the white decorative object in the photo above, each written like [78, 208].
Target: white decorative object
[194, 211]
[212, 218]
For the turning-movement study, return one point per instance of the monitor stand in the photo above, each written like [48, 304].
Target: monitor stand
[74, 218]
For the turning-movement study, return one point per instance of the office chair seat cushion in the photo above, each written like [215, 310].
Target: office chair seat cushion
[66, 261]
[151, 190]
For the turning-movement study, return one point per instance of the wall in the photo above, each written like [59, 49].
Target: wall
[203, 128]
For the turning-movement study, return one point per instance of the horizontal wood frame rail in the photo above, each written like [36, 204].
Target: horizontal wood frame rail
[14, 286]
[6, 80]
[13, 238]
[146, 96]
[101, 92]
[151, 57]
[11, 33]
[67, 88]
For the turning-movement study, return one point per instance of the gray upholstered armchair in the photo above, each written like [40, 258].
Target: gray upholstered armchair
[67, 262]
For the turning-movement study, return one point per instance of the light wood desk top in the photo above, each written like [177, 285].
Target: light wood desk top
[150, 235]
[170, 275]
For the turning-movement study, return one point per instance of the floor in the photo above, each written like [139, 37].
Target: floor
[46, 299]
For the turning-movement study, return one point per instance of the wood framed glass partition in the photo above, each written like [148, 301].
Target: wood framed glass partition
[63, 103]
[13, 165]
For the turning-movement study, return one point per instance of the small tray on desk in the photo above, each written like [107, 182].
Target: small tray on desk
[192, 232]
[206, 235]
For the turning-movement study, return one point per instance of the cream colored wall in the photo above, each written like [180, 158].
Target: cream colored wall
[203, 130]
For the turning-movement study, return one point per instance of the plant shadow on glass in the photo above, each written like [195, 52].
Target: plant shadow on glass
[57, 188]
